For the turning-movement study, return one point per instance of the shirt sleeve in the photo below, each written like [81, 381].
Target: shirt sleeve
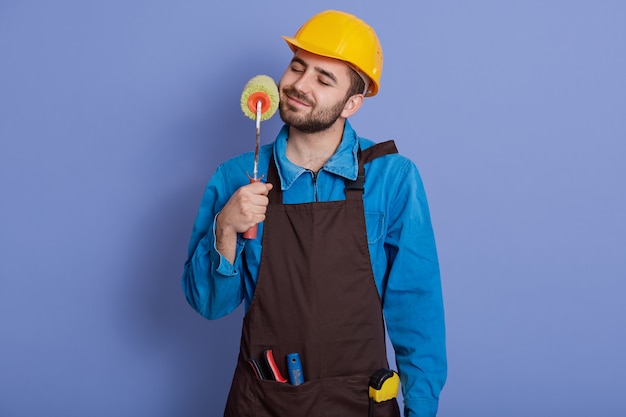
[212, 285]
[413, 302]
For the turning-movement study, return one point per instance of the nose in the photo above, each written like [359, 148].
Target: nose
[304, 82]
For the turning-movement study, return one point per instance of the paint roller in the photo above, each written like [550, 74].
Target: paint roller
[259, 102]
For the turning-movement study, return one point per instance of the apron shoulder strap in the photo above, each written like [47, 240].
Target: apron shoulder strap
[378, 150]
[354, 189]
[275, 195]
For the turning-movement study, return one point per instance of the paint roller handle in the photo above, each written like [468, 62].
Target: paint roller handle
[251, 232]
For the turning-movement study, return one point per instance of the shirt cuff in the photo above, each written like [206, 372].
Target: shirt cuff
[224, 267]
[420, 408]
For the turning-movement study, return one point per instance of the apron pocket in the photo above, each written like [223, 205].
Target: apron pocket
[326, 397]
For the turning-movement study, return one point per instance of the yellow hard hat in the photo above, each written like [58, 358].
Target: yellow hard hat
[340, 35]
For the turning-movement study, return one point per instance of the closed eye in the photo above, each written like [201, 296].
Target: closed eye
[326, 78]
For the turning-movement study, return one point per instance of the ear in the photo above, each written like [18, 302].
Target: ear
[352, 105]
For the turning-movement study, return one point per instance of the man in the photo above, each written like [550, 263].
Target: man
[344, 235]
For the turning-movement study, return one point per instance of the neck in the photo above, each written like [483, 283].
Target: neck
[312, 150]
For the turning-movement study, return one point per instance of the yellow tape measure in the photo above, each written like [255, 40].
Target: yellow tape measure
[384, 385]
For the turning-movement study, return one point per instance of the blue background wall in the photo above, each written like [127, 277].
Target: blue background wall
[114, 114]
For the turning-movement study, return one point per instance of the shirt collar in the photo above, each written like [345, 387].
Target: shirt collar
[343, 163]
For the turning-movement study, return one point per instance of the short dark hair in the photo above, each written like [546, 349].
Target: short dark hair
[357, 84]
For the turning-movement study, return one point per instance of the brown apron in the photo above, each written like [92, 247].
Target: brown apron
[315, 295]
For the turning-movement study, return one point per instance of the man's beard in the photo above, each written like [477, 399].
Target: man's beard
[316, 121]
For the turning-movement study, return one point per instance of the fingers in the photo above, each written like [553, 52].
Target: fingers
[246, 207]
[260, 188]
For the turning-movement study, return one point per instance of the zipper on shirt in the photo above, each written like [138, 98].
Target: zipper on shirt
[314, 177]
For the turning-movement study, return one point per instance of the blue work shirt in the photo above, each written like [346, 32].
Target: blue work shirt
[400, 239]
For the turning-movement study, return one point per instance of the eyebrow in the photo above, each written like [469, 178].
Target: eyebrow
[318, 69]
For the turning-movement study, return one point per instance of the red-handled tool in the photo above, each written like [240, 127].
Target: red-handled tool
[251, 232]
[271, 364]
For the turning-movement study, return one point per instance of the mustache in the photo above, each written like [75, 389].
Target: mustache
[292, 92]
